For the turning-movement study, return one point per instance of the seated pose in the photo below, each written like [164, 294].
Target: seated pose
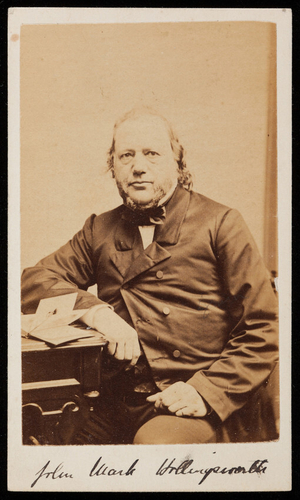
[184, 301]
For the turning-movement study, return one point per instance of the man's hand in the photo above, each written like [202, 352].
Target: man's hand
[181, 399]
[122, 339]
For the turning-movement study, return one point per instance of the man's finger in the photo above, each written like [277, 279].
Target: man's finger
[136, 352]
[159, 403]
[187, 411]
[132, 352]
[128, 351]
[133, 361]
[120, 351]
[153, 397]
[111, 348]
[136, 349]
[199, 412]
[191, 411]
[178, 405]
[170, 399]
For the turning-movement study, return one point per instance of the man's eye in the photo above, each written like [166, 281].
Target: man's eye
[152, 154]
[125, 158]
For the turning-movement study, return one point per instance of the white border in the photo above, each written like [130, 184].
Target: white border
[22, 461]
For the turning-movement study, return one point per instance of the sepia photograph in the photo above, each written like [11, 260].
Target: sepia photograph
[148, 279]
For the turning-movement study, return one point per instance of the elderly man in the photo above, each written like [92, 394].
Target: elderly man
[184, 301]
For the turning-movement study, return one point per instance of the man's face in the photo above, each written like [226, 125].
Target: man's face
[144, 165]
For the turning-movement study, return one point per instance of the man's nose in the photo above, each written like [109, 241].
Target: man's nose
[139, 164]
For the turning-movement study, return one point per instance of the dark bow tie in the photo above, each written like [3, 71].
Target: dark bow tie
[150, 216]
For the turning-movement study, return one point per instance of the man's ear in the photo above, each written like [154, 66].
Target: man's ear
[112, 172]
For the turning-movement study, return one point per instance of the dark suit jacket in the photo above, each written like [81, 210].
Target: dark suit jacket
[199, 296]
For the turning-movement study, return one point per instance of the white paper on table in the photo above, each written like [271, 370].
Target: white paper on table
[51, 320]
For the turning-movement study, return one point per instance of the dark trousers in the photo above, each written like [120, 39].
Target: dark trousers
[132, 420]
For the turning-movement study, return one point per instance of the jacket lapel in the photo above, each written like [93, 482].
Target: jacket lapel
[151, 256]
[128, 245]
[130, 258]
[169, 232]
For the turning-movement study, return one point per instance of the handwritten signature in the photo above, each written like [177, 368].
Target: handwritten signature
[100, 468]
[185, 467]
[57, 473]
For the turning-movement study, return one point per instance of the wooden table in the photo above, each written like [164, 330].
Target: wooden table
[59, 386]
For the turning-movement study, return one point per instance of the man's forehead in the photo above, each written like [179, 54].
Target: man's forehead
[145, 127]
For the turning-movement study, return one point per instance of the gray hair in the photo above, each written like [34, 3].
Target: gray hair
[184, 175]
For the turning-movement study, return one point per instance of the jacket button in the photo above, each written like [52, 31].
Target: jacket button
[159, 275]
[125, 286]
[166, 311]
[176, 353]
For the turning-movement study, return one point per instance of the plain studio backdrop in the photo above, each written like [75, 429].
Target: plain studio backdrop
[215, 82]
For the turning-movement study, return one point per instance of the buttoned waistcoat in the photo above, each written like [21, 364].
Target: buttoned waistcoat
[199, 295]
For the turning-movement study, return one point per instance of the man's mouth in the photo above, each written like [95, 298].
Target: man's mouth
[139, 183]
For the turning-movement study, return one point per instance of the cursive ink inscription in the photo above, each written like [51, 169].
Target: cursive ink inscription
[185, 467]
[105, 470]
[57, 473]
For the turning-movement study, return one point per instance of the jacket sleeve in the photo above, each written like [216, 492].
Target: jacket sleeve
[68, 270]
[251, 351]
